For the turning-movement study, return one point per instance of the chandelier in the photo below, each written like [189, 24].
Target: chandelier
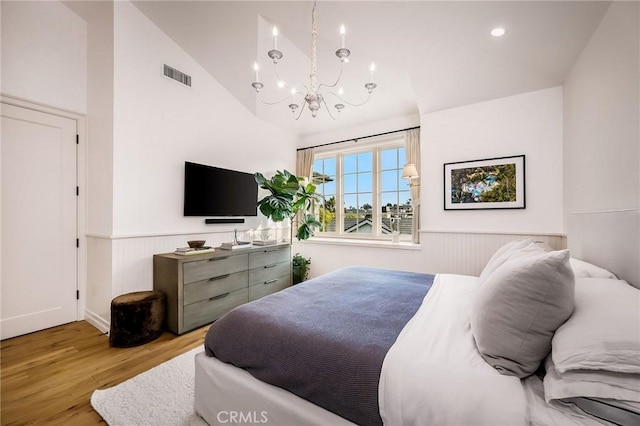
[314, 96]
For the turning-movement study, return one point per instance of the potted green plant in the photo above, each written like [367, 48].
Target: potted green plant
[300, 268]
[289, 198]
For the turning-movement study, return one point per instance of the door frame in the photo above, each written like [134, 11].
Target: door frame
[81, 179]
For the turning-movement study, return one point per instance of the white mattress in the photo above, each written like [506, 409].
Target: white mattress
[222, 391]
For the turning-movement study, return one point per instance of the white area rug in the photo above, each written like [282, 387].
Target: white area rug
[158, 397]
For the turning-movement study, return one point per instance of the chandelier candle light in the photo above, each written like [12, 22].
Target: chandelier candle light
[313, 97]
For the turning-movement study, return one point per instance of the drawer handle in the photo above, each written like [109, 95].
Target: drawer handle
[213, 259]
[221, 277]
[269, 266]
[220, 296]
[272, 250]
[270, 281]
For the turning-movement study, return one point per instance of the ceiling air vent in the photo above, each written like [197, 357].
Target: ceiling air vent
[177, 75]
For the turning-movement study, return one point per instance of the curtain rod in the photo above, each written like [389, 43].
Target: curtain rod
[357, 139]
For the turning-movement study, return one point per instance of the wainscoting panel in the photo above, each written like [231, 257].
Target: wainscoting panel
[439, 252]
[123, 264]
[328, 255]
[468, 253]
[133, 257]
[98, 291]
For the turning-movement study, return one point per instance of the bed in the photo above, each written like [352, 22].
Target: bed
[371, 346]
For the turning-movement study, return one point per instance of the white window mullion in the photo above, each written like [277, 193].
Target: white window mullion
[339, 197]
[376, 217]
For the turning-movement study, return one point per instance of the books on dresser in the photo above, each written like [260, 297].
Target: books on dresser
[185, 251]
[235, 245]
[264, 242]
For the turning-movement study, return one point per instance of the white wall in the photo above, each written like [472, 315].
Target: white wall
[159, 124]
[602, 146]
[382, 126]
[100, 117]
[462, 241]
[529, 124]
[44, 54]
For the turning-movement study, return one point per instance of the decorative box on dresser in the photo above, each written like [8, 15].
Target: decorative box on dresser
[200, 288]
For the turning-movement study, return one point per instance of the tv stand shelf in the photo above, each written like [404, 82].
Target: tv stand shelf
[202, 287]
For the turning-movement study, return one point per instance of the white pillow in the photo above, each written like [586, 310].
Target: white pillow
[604, 331]
[582, 269]
[518, 308]
[504, 253]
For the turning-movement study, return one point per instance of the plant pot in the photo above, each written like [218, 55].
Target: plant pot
[300, 268]
[298, 275]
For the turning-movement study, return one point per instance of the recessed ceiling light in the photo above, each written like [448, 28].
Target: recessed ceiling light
[498, 32]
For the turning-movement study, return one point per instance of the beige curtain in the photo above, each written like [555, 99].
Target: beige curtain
[304, 168]
[412, 140]
[304, 163]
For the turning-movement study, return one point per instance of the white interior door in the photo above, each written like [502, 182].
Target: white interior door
[39, 221]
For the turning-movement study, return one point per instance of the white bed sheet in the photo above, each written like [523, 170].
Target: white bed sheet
[434, 374]
[222, 391]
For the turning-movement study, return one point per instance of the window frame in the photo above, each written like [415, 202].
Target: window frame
[376, 147]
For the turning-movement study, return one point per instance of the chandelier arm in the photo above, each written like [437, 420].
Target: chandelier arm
[271, 103]
[328, 109]
[337, 79]
[304, 104]
[306, 89]
[275, 66]
[350, 103]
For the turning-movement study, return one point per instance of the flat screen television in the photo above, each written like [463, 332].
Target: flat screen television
[212, 191]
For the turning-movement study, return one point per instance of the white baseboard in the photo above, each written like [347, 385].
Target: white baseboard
[97, 321]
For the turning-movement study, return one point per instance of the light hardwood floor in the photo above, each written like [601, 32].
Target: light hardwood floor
[48, 377]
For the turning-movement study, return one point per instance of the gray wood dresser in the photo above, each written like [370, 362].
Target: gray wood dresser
[201, 288]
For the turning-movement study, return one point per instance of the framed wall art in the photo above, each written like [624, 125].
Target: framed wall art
[492, 183]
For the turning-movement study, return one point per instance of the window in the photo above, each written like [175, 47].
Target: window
[364, 195]
[324, 176]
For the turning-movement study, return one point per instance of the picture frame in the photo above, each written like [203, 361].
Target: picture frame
[491, 183]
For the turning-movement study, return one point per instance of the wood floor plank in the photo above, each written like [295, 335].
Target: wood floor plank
[47, 378]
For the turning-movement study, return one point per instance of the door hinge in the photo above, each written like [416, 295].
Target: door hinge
[77, 294]
[77, 191]
[77, 139]
[78, 242]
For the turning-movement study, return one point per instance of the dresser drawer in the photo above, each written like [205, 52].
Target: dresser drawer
[213, 267]
[201, 290]
[269, 272]
[268, 287]
[269, 256]
[209, 310]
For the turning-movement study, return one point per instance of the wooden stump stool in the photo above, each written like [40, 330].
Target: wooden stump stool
[136, 318]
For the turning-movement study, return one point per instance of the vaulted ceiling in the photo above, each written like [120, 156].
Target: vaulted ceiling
[429, 55]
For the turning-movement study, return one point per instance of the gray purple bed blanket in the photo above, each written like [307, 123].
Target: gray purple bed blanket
[325, 339]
